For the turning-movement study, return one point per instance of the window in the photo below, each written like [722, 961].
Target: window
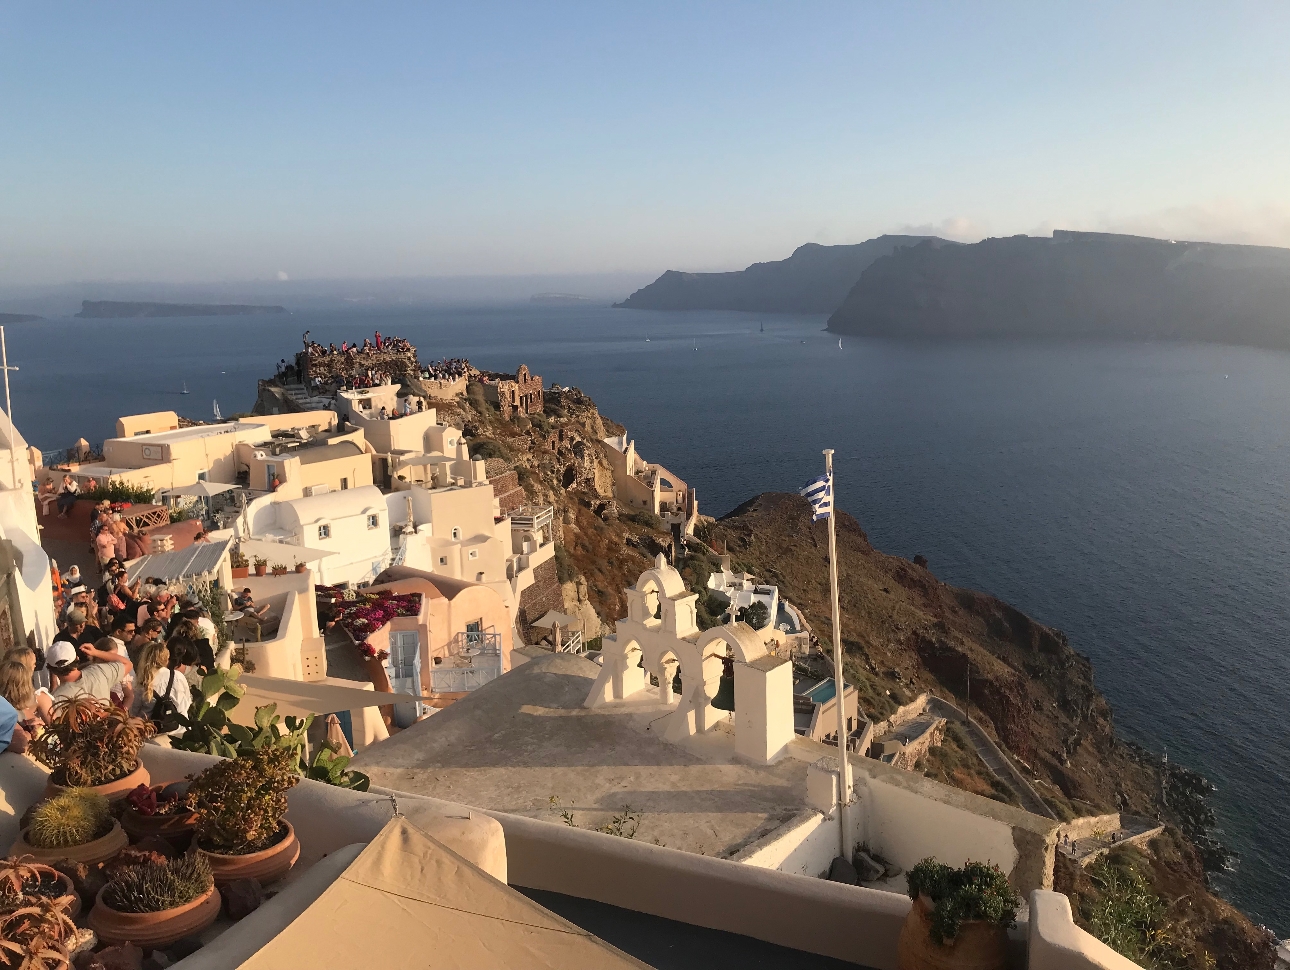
[324, 532]
[373, 521]
[479, 577]
[344, 484]
[456, 533]
[474, 554]
[443, 560]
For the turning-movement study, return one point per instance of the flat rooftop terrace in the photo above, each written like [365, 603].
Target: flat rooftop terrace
[525, 745]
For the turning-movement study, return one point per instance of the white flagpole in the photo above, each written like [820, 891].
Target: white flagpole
[8, 410]
[844, 765]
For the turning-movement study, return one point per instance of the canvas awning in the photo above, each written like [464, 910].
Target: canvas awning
[556, 618]
[198, 560]
[409, 902]
[204, 489]
[300, 698]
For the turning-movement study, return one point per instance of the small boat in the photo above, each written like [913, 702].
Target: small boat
[218, 416]
[185, 390]
[763, 326]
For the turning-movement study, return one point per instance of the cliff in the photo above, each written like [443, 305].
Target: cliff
[113, 310]
[814, 279]
[1075, 284]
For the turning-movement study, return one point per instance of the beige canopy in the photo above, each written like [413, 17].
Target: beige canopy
[300, 698]
[409, 902]
[556, 618]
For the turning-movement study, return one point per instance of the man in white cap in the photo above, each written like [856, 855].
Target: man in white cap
[80, 677]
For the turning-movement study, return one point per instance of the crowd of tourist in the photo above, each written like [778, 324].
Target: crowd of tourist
[448, 369]
[386, 344]
[132, 645]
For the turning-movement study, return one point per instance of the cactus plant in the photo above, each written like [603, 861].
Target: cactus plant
[157, 886]
[74, 817]
[24, 881]
[90, 743]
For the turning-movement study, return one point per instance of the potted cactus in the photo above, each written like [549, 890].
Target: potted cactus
[75, 824]
[261, 565]
[959, 919]
[90, 744]
[38, 935]
[161, 811]
[25, 882]
[241, 803]
[156, 902]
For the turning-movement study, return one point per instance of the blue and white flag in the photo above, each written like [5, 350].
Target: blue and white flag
[820, 494]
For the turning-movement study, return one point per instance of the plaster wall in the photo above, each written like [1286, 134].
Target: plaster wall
[132, 424]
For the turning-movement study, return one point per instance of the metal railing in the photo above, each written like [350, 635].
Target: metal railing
[484, 650]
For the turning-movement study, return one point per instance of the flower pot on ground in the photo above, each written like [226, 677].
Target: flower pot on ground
[301, 567]
[159, 811]
[241, 572]
[90, 744]
[261, 566]
[156, 903]
[959, 919]
[241, 803]
[76, 824]
[25, 882]
[278, 569]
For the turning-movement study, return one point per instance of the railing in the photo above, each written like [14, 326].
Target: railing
[572, 643]
[533, 518]
[483, 648]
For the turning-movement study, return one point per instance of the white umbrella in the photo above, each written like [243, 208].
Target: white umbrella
[204, 489]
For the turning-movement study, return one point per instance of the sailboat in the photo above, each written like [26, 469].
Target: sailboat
[218, 416]
[763, 326]
[839, 343]
[185, 390]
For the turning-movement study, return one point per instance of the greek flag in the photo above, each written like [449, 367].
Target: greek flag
[820, 494]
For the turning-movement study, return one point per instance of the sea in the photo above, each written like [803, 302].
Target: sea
[1133, 495]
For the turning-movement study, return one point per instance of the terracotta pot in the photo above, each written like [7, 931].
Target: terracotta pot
[301, 567]
[261, 570]
[100, 850]
[113, 790]
[241, 572]
[68, 888]
[979, 945]
[175, 829]
[267, 865]
[154, 929]
[279, 572]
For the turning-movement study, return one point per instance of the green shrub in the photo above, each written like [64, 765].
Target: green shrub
[646, 519]
[240, 802]
[119, 491]
[975, 892]
[1132, 920]
[755, 614]
[565, 571]
[74, 817]
[156, 887]
[485, 448]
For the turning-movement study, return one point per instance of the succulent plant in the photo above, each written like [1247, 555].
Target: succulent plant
[74, 817]
[35, 937]
[975, 892]
[157, 886]
[91, 743]
[240, 801]
[24, 881]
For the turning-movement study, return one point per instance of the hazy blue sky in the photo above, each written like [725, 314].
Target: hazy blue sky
[185, 141]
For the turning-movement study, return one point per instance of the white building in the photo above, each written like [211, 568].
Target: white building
[26, 600]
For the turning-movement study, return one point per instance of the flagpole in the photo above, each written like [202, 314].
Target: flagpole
[839, 696]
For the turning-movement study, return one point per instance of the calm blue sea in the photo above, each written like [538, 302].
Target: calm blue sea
[1134, 495]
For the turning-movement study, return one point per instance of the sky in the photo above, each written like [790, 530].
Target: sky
[262, 141]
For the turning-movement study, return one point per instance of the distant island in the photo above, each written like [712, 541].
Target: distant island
[1076, 284]
[559, 299]
[113, 310]
[18, 318]
[815, 279]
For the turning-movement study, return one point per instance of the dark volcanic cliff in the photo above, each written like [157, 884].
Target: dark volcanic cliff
[813, 280]
[1076, 284]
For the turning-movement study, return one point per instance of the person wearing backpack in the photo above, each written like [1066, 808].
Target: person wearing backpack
[163, 691]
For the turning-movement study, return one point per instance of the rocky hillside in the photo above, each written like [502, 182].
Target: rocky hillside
[904, 632]
[812, 280]
[1076, 284]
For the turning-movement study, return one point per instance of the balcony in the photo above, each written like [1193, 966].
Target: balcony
[533, 519]
[474, 658]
